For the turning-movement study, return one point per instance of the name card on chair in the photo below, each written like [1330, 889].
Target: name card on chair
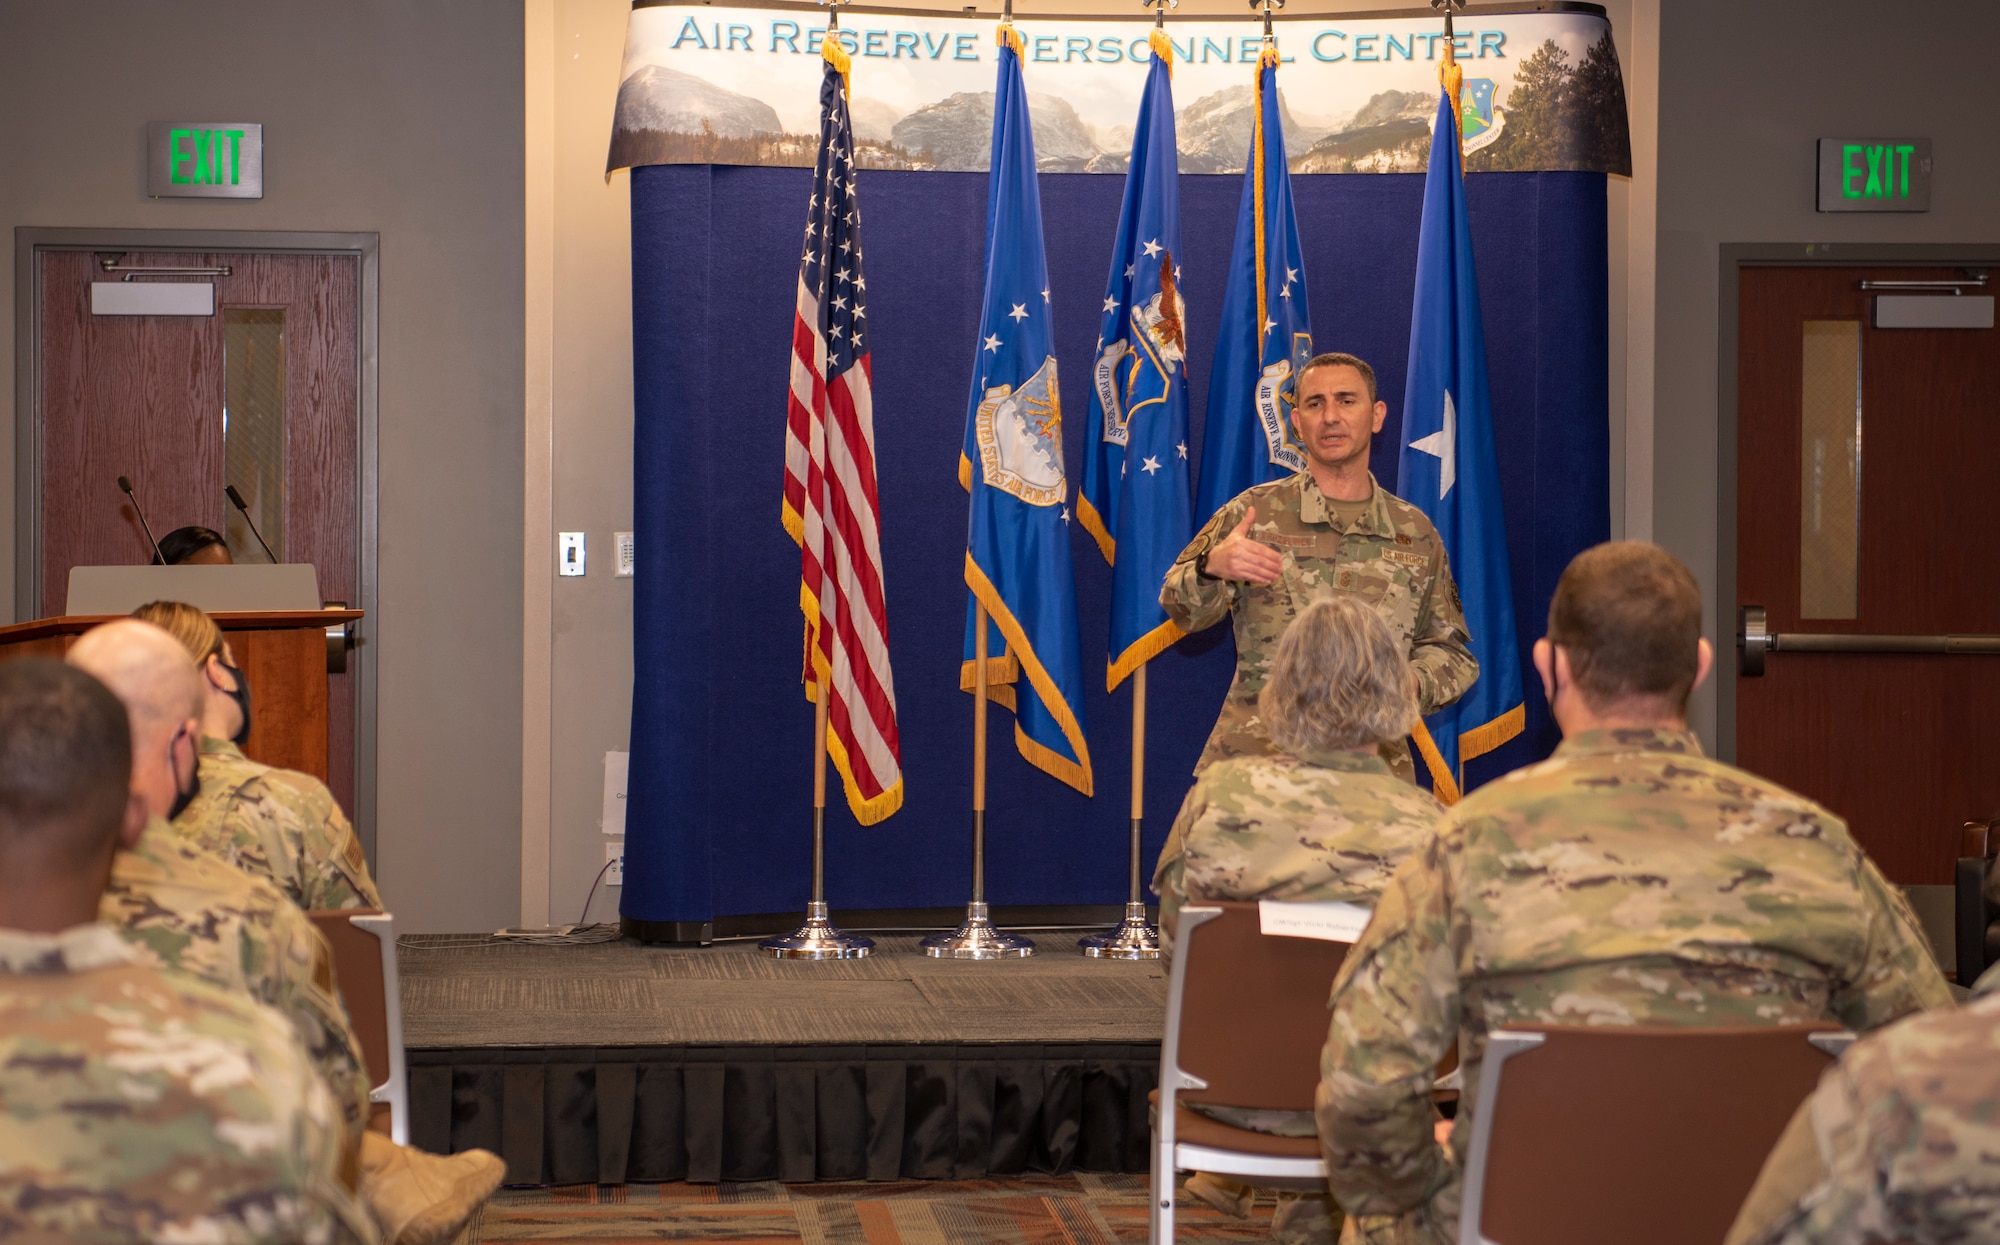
[1329, 922]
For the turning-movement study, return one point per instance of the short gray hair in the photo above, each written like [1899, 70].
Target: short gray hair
[1339, 680]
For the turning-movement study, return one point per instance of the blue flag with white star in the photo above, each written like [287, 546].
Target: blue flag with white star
[1017, 557]
[1448, 467]
[1135, 462]
[1266, 334]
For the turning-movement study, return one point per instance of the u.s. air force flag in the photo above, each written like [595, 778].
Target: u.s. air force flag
[1266, 329]
[1017, 559]
[1135, 458]
[1448, 467]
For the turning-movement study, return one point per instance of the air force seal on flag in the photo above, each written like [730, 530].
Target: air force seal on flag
[1276, 394]
[1020, 438]
[1117, 431]
[1479, 122]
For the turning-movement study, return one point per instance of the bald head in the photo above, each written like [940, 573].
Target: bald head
[153, 675]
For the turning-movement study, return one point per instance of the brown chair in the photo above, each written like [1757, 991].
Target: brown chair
[1975, 920]
[364, 961]
[1246, 1018]
[1642, 1135]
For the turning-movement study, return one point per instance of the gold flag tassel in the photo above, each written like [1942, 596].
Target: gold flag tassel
[1452, 78]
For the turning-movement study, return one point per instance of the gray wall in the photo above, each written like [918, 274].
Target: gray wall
[1745, 89]
[590, 698]
[379, 115]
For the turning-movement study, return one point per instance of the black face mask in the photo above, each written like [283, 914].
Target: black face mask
[185, 797]
[242, 698]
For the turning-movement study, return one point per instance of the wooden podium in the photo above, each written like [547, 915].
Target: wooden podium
[286, 654]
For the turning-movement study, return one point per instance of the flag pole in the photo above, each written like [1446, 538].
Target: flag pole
[976, 938]
[819, 938]
[1135, 938]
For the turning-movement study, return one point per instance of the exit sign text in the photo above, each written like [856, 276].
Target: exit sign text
[205, 159]
[1874, 174]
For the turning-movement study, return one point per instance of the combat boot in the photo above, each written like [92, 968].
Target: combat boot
[424, 1199]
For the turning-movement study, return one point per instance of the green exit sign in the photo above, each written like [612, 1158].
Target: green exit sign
[205, 159]
[1874, 174]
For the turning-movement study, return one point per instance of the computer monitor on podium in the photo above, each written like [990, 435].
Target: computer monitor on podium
[217, 589]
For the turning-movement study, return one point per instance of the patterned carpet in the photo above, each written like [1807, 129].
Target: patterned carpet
[1085, 1208]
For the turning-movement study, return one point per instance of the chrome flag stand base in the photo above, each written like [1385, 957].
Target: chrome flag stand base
[977, 939]
[1134, 939]
[818, 939]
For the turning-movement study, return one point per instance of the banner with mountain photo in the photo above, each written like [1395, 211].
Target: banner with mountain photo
[709, 84]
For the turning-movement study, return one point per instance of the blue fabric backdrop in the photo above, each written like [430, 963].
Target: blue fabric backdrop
[718, 819]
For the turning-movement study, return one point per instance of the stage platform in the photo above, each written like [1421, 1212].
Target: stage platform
[617, 1062]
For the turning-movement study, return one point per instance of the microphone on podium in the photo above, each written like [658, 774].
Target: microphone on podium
[125, 486]
[236, 499]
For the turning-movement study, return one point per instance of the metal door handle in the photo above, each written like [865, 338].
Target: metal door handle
[1754, 640]
[339, 638]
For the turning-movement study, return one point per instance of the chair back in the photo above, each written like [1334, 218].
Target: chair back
[1246, 1011]
[1645, 1135]
[1973, 918]
[364, 963]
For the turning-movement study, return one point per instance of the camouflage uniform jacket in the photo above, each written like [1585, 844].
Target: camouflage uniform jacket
[1901, 1142]
[194, 912]
[143, 1105]
[278, 824]
[1391, 556]
[1327, 826]
[1626, 880]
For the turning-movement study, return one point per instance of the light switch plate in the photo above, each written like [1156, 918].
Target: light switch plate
[621, 544]
[569, 553]
[614, 855]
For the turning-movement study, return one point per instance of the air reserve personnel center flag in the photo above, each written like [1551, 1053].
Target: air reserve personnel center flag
[1448, 467]
[1266, 332]
[1017, 556]
[830, 505]
[1135, 459]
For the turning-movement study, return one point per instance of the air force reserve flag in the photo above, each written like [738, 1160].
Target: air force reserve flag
[1017, 559]
[1266, 330]
[1448, 466]
[1135, 458]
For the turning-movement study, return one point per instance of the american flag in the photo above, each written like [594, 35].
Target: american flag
[830, 499]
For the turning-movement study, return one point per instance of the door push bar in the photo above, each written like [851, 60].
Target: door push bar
[1754, 640]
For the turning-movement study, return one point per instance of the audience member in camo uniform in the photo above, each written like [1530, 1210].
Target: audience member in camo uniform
[1627, 880]
[141, 1104]
[1325, 819]
[275, 823]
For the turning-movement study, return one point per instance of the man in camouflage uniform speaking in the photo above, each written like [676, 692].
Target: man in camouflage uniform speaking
[1901, 1142]
[1626, 880]
[1268, 553]
[140, 1104]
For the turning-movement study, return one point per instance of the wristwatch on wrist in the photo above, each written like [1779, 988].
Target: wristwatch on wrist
[1201, 565]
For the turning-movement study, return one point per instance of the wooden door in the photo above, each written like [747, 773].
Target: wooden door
[1864, 460]
[147, 397]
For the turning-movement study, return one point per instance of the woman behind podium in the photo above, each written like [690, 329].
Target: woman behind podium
[276, 823]
[193, 546]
